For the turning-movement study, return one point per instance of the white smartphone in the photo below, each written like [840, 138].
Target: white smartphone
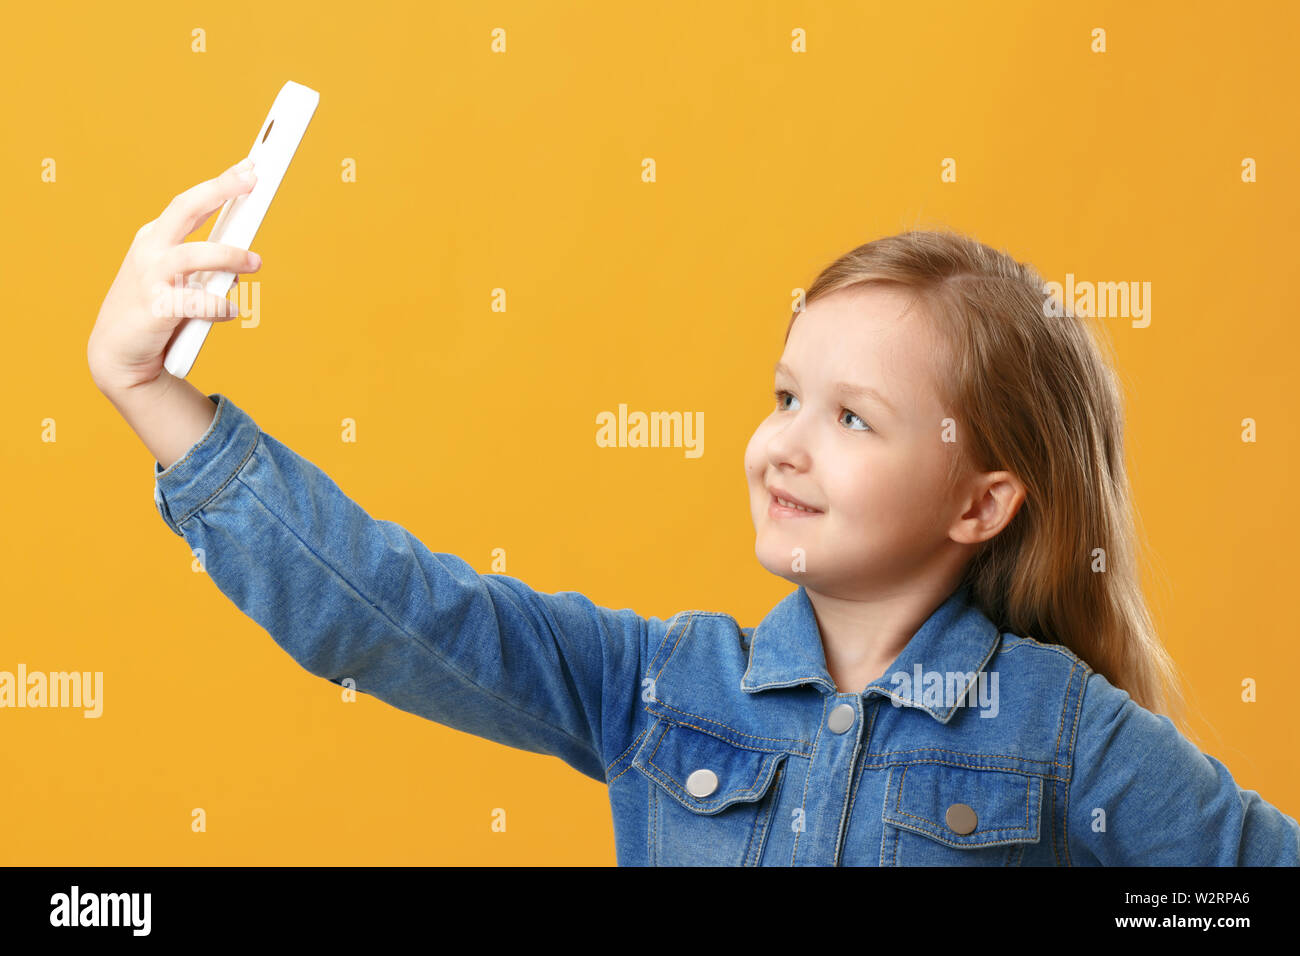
[240, 217]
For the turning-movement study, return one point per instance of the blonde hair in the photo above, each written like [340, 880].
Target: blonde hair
[1032, 394]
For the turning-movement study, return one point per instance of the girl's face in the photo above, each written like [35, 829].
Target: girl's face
[873, 466]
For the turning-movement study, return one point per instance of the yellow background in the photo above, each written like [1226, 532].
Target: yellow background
[476, 429]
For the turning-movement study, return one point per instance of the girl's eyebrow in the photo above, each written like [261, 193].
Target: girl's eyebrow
[844, 388]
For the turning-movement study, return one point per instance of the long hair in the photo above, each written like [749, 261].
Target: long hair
[1031, 393]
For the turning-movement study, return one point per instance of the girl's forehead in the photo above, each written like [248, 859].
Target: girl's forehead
[846, 343]
[875, 316]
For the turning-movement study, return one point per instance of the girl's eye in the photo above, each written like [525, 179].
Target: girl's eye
[865, 426]
[781, 394]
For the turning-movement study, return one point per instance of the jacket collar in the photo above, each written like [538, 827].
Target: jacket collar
[786, 649]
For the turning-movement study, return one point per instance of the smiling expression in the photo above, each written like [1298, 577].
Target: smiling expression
[855, 434]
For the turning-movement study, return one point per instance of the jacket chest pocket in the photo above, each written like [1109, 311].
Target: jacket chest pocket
[939, 814]
[711, 801]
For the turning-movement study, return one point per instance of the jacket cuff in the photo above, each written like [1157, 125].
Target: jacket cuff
[198, 476]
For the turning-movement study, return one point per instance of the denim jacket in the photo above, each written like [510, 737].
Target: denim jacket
[720, 744]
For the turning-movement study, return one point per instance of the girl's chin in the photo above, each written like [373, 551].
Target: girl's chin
[797, 578]
[784, 562]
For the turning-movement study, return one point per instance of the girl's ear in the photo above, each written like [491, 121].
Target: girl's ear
[995, 498]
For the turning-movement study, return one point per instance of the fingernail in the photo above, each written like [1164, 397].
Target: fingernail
[246, 164]
[248, 175]
[254, 260]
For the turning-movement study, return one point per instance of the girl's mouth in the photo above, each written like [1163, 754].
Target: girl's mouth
[779, 508]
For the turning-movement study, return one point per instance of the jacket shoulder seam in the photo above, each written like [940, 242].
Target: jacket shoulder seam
[1060, 649]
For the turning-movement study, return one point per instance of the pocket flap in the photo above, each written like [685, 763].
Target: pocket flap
[964, 806]
[703, 772]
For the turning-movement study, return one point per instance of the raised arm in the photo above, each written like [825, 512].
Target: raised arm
[351, 596]
[347, 595]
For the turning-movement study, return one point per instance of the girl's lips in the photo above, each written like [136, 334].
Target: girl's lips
[777, 510]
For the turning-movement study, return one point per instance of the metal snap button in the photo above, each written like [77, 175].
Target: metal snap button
[701, 783]
[841, 718]
[961, 818]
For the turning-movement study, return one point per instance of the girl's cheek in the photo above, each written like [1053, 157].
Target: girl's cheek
[754, 457]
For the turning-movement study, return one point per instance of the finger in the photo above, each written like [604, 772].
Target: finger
[180, 261]
[189, 209]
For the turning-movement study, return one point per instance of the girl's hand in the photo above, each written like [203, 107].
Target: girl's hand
[148, 300]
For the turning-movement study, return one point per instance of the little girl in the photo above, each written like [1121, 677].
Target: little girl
[964, 674]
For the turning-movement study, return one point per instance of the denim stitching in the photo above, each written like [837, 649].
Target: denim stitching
[653, 830]
[681, 619]
[1060, 730]
[812, 761]
[1061, 727]
[1074, 739]
[898, 808]
[749, 658]
[686, 626]
[738, 733]
[972, 846]
[671, 782]
[993, 652]
[967, 766]
[234, 474]
[653, 826]
[1051, 817]
[1065, 704]
[763, 823]
[862, 766]
[935, 823]
[631, 747]
[884, 820]
[1060, 649]
[897, 833]
[967, 753]
[789, 683]
[668, 659]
